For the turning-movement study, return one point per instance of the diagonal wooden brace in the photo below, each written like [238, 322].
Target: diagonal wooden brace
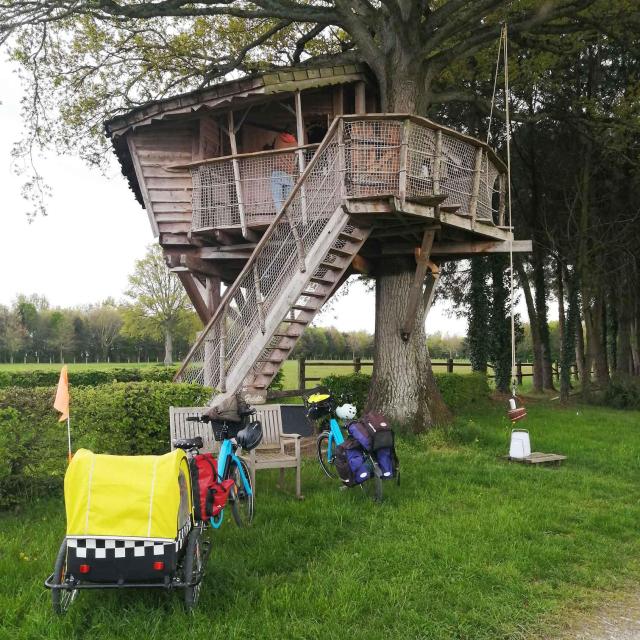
[415, 293]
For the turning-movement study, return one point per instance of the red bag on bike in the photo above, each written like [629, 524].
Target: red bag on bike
[209, 495]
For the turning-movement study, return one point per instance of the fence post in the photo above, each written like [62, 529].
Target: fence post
[302, 374]
[450, 365]
[356, 364]
[519, 372]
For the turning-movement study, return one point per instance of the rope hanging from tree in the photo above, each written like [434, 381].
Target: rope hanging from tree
[503, 51]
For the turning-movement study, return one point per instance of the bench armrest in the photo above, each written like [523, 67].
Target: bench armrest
[288, 439]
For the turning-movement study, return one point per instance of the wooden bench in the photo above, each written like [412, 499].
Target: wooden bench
[278, 450]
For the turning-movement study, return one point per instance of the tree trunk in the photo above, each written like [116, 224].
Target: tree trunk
[533, 325]
[478, 319]
[565, 343]
[403, 386]
[168, 347]
[540, 288]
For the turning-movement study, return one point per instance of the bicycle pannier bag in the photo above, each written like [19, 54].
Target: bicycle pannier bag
[359, 469]
[342, 465]
[382, 443]
[379, 430]
[361, 433]
[209, 495]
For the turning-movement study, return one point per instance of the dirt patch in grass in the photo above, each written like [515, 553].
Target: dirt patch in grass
[616, 620]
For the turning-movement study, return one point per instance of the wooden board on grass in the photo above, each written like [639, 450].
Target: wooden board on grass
[539, 458]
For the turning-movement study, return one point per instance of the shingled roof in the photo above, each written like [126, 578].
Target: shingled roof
[283, 80]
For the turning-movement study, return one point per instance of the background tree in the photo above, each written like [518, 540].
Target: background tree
[159, 301]
[104, 323]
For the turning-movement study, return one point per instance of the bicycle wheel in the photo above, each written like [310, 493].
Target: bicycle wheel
[242, 503]
[322, 446]
[193, 563]
[61, 599]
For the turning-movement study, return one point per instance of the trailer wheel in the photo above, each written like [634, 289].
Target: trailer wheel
[193, 562]
[61, 599]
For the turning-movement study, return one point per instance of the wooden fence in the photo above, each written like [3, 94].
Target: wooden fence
[357, 363]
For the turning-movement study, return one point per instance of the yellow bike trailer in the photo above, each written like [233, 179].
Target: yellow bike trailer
[129, 524]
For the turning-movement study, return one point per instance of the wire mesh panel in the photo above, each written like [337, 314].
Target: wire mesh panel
[372, 157]
[265, 180]
[214, 199]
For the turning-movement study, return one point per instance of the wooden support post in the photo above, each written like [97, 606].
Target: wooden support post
[502, 195]
[357, 364]
[301, 163]
[422, 259]
[194, 294]
[259, 298]
[361, 98]
[302, 373]
[338, 101]
[404, 153]
[213, 293]
[475, 193]
[223, 349]
[342, 160]
[449, 365]
[236, 176]
[519, 372]
[437, 164]
[430, 288]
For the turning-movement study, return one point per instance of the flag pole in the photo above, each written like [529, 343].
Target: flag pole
[69, 437]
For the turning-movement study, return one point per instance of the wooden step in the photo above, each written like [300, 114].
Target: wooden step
[296, 321]
[302, 307]
[347, 236]
[332, 265]
[343, 253]
[313, 294]
[271, 360]
[323, 280]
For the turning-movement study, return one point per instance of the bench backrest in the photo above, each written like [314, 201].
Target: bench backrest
[269, 416]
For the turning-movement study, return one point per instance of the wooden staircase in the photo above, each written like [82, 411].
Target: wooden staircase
[319, 287]
[298, 264]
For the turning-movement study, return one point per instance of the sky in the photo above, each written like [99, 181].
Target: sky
[84, 249]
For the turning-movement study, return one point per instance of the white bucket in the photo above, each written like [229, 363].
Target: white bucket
[520, 444]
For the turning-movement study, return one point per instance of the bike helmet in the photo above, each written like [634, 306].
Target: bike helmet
[250, 436]
[346, 411]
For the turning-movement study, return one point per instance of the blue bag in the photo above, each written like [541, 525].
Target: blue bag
[359, 468]
[385, 458]
[361, 433]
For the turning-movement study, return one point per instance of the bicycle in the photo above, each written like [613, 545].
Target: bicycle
[229, 465]
[331, 437]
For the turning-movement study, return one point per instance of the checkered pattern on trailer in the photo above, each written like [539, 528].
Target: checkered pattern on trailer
[104, 548]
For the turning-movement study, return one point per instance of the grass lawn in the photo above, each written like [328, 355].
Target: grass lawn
[468, 547]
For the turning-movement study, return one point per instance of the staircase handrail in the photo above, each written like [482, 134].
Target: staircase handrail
[231, 291]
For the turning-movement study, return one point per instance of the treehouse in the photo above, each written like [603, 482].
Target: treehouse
[266, 193]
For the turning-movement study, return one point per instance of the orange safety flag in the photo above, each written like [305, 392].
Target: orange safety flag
[61, 403]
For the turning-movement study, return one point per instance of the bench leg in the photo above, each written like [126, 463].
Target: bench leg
[252, 472]
[298, 483]
[281, 479]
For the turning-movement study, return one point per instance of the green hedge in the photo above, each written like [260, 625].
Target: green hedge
[88, 378]
[459, 392]
[117, 418]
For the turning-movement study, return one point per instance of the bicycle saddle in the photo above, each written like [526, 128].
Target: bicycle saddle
[188, 443]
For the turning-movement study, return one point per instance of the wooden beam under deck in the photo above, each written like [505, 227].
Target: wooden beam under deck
[382, 207]
[457, 250]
